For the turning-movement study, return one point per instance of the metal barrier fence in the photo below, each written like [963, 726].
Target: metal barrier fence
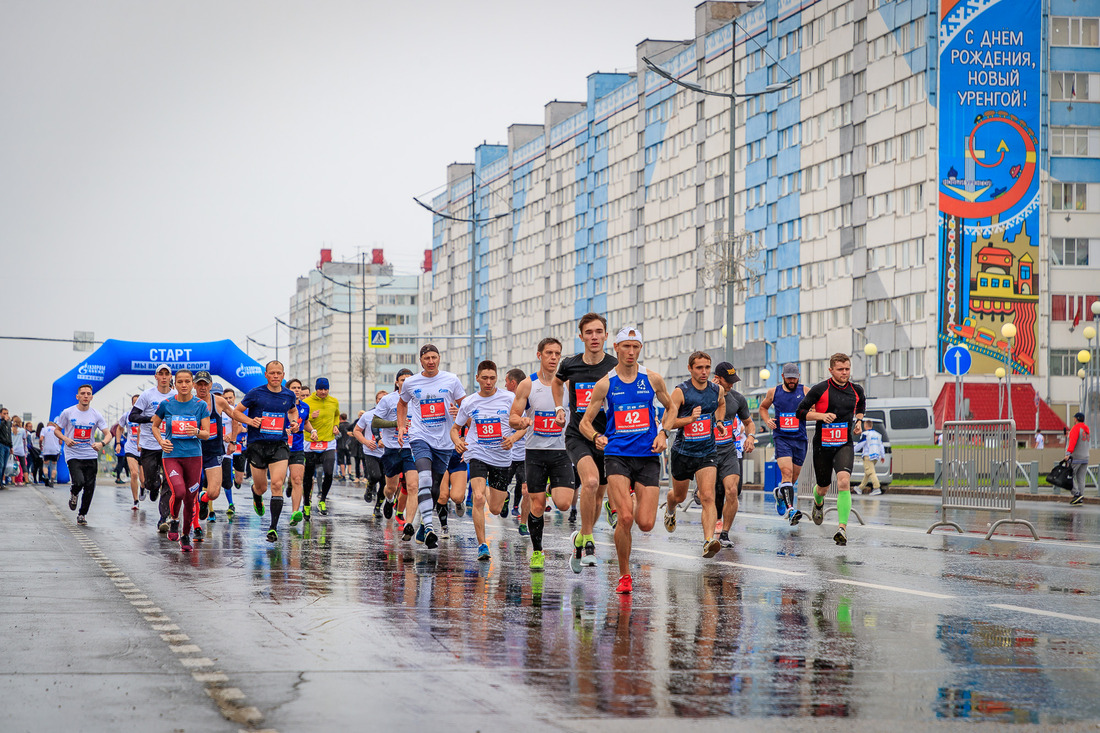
[807, 482]
[979, 471]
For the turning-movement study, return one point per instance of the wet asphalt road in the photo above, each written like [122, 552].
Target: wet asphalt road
[110, 627]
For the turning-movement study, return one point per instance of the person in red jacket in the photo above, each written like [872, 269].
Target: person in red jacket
[1077, 452]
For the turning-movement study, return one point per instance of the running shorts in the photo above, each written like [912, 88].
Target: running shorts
[440, 457]
[685, 467]
[829, 460]
[640, 470]
[792, 448]
[496, 477]
[396, 461]
[297, 458]
[551, 466]
[578, 448]
[456, 464]
[262, 453]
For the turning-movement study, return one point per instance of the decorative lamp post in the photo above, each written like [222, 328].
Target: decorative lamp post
[1000, 374]
[1081, 374]
[765, 375]
[1008, 332]
[1092, 375]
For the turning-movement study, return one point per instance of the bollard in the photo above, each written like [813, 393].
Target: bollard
[1033, 476]
[938, 475]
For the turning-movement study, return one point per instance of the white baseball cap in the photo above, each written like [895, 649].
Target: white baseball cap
[629, 333]
[164, 367]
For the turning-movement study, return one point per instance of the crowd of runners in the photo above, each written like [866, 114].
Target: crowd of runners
[586, 433]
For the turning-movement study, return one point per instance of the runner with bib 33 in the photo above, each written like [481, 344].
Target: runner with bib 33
[837, 404]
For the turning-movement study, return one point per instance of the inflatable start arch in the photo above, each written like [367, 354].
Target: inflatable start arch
[119, 358]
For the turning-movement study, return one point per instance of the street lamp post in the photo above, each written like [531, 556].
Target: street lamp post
[1008, 332]
[1092, 376]
[999, 372]
[732, 96]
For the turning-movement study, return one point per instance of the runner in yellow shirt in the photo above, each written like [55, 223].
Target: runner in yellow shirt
[324, 415]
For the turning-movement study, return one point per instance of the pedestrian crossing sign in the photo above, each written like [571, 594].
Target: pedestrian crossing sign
[380, 338]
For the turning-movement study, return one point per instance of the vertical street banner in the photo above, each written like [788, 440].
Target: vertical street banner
[990, 86]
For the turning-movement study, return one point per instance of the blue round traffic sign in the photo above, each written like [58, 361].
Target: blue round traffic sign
[957, 360]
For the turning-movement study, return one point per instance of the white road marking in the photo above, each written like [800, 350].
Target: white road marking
[876, 586]
[1052, 614]
[230, 700]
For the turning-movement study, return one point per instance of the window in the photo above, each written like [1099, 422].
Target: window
[1075, 32]
[1069, 86]
[1068, 197]
[1075, 142]
[1063, 363]
[1069, 251]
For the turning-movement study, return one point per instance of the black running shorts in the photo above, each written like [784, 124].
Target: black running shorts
[551, 466]
[578, 448]
[262, 453]
[830, 460]
[640, 470]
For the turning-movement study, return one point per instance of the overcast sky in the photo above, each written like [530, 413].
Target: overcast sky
[213, 147]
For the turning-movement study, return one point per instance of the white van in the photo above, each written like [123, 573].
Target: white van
[909, 419]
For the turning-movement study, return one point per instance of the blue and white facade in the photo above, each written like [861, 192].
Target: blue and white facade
[618, 203]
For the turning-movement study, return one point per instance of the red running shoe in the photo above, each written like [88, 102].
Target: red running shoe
[185, 543]
[626, 585]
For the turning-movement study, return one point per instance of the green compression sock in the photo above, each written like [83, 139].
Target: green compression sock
[843, 506]
[819, 498]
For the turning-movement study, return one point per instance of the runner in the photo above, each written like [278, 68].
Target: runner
[186, 422]
[268, 410]
[547, 461]
[489, 451]
[76, 428]
[582, 371]
[324, 414]
[837, 404]
[297, 462]
[51, 451]
[238, 435]
[733, 437]
[132, 454]
[213, 448]
[229, 445]
[369, 455]
[453, 486]
[789, 437]
[397, 460]
[343, 449]
[520, 505]
[430, 396]
[697, 406]
[118, 432]
[632, 444]
[142, 414]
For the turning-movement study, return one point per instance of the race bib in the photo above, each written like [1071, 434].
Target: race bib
[723, 433]
[318, 446]
[788, 421]
[834, 434]
[180, 425]
[698, 429]
[82, 434]
[631, 419]
[134, 430]
[433, 410]
[545, 425]
[289, 441]
[583, 393]
[272, 423]
[489, 429]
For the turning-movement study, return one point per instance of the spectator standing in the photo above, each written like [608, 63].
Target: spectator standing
[1077, 451]
[5, 444]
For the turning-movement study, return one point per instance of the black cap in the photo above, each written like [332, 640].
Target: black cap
[203, 376]
[725, 371]
[1080, 417]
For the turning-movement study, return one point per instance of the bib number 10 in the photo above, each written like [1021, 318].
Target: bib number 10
[834, 434]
